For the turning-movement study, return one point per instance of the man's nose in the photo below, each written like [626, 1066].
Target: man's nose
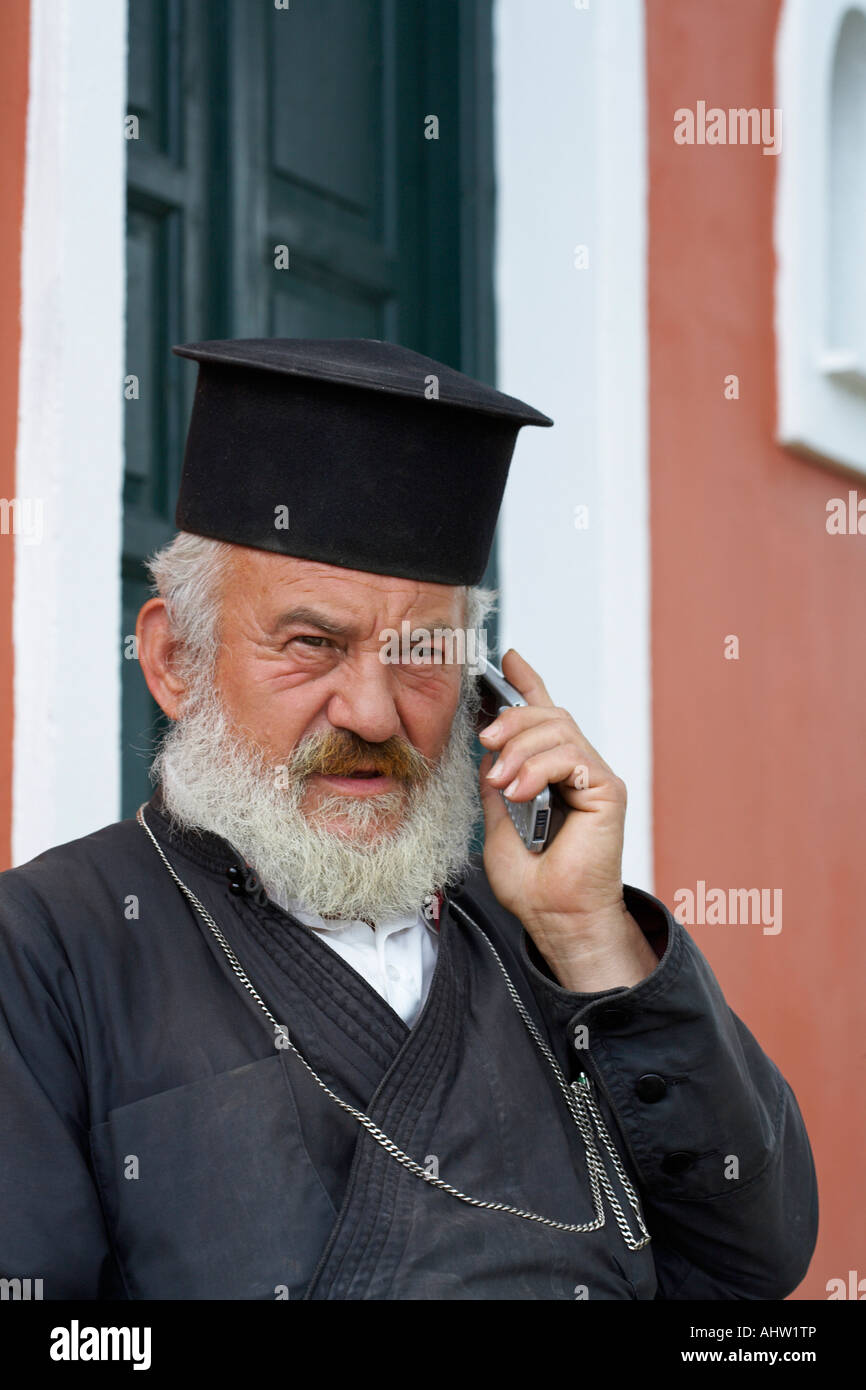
[364, 701]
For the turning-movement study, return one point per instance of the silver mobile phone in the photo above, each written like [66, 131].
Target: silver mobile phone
[538, 820]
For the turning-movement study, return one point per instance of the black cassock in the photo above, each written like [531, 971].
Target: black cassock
[159, 1142]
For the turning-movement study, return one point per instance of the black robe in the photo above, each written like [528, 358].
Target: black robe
[157, 1144]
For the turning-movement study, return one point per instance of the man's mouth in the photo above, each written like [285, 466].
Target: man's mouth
[356, 772]
[370, 779]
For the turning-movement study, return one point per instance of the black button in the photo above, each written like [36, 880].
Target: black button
[235, 882]
[650, 1087]
[678, 1162]
[612, 1017]
[244, 881]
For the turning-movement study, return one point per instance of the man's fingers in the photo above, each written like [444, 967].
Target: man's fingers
[510, 728]
[562, 766]
[547, 734]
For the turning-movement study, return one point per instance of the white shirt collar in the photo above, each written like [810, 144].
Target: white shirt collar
[384, 927]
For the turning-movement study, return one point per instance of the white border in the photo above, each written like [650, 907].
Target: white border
[66, 615]
[571, 155]
[818, 411]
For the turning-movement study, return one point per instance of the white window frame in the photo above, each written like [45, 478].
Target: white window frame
[571, 170]
[821, 394]
[69, 457]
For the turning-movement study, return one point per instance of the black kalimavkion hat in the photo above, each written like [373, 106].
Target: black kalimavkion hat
[350, 451]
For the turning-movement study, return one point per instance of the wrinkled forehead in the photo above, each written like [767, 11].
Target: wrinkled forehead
[277, 585]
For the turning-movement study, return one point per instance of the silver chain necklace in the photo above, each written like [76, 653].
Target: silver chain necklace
[578, 1095]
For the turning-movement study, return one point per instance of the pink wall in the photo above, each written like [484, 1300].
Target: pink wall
[14, 52]
[759, 762]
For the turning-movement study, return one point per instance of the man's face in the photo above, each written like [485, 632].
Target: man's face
[301, 655]
[267, 745]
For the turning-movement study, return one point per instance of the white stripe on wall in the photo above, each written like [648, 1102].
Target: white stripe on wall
[66, 778]
[571, 170]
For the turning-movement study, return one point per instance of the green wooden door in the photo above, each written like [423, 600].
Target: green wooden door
[283, 184]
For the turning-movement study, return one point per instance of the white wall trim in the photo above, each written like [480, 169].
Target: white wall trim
[66, 616]
[571, 159]
[821, 389]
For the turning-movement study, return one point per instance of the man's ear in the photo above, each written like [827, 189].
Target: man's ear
[156, 653]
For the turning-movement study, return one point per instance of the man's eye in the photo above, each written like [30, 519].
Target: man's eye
[312, 641]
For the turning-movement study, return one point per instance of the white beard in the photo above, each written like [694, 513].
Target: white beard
[214, 780]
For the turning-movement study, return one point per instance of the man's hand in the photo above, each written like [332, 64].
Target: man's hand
[569, 898]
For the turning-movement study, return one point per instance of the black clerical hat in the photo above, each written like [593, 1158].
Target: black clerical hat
[350, 451]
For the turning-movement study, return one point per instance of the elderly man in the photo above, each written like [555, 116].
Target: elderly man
[281, 1035]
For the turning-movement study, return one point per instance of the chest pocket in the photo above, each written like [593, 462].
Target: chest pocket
[209, 1192]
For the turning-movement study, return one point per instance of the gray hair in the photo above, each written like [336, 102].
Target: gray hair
[188, 574]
